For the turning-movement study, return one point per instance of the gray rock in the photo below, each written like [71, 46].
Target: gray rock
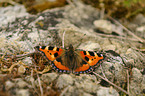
[74, 35]
[48, 77]
[136, 75]
[103, 25]
[77, 23]
[143, 83]
[86, 83]
[81, 12]
[139, 19]
[21, 69]
[64, 80]
[9, 14]
[104, 42]
[90, 46]
[104, 91]
[9, 85]
[136, 56]
[27, 61]
[141, 29]
[73, 91]
[109, 47]
[22, 92]
[135, 83]
[20, 83]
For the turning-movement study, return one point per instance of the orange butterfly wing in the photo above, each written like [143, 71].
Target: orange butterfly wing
[52, 53]
[92, 59]
[89, 59]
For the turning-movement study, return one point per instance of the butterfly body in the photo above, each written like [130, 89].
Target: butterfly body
[71, 60]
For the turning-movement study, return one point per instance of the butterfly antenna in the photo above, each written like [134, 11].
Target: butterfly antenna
[63, 39]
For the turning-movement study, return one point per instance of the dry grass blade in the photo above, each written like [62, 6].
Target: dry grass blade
[127, 81]
[32, 82]
[138, 38]
[9, 1]
[64, 91]
[111, 83]
[112, 36]
[46, 69]
[12, 66]
[39, 81]
[19, 57]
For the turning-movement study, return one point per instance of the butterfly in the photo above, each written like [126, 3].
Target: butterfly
[71, 60]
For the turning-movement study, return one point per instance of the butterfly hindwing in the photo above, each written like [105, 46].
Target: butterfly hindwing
[57, 65]
[85, 68]
[54, 55]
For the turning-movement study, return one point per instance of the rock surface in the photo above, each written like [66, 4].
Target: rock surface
[20, 32]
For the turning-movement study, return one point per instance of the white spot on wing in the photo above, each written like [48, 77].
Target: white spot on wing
[46, 47]
[54, 48]
[90, 61]
[87, 53]
[52, 56]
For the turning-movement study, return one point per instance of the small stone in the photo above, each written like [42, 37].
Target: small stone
[90, 46]
[21, 69]
[9, 85]
[104, 91]
[20, 83]
[140, 29]
[136, 82]
[86, 83]
[9, 13]
[103, 25]
[48, 77]
[64, 80]
[136, 56]
[143, 83]
[137, 76]
[109, 47]
[139, 19]
[129, 51]
[27, 61]
[23, 92]
[73, 91]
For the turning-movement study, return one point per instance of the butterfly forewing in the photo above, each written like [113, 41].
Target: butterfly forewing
[50, 52]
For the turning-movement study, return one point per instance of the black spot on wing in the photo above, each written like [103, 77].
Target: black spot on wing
[51, 48]
[86, 58]
[84, 52]
[55, 54]
[91, 53]
[57, 49]
[99, 55]
[59, 60]
[43, 47]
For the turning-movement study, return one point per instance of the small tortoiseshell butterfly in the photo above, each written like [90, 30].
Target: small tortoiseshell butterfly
[71, 60]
